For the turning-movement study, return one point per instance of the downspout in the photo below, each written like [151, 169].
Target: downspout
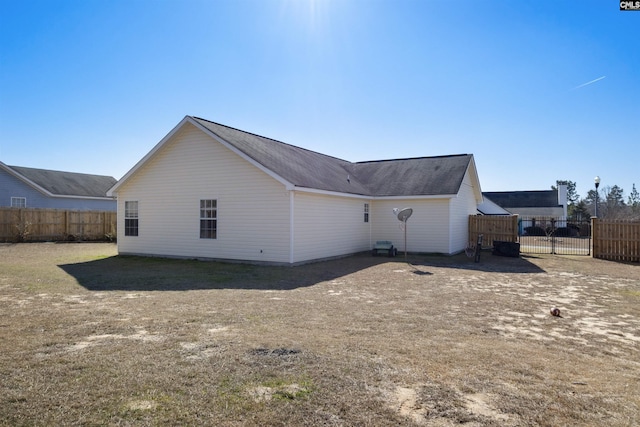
[370, 224]
[291, 225]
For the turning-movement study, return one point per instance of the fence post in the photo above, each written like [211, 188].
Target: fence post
[472, 223]
[594, 238]
[552, 235]
[66, 224]
[22, 228]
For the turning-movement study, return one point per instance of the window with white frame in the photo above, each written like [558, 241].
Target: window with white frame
[131, 218]
[208, 218]
[18, 202]
[366, 212]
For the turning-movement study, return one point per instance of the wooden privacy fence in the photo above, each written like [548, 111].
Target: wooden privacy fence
[493, 227]
[616, 240]
[23, 225]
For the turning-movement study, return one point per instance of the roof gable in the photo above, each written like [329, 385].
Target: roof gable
[302, 168]
[58, 183]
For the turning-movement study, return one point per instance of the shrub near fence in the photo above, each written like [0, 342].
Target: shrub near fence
[616, 240]
[26, 224]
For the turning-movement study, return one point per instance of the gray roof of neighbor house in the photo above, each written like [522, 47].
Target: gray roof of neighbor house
[524, 199]
[67, 183]
[424, 176]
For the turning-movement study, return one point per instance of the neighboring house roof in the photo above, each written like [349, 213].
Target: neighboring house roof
[63, 184]
[524, 199]
[302, 168]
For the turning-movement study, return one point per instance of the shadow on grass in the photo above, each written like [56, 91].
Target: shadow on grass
[488, 263]
[134, 273]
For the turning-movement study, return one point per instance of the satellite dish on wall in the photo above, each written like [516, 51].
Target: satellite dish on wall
[403, 215]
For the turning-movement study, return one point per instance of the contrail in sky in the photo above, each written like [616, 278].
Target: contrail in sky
[588, 83]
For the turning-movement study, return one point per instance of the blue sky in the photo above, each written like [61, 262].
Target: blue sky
[92, 85]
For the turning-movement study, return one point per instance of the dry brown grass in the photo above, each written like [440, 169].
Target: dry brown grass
[89, 338]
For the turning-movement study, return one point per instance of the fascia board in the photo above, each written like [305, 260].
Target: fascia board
[417, 197]
[114, 190]
[62, 196]
[288, 185]
[330, 193]
[368, 197]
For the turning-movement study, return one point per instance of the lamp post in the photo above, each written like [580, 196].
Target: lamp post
[597, 181]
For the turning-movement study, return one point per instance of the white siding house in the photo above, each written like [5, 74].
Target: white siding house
[213, 192]
[252, 207]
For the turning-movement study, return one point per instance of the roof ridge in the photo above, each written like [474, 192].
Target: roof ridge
[17, 169]
[413, 158]
[521, 191]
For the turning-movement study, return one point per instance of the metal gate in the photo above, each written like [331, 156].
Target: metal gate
[554, 235]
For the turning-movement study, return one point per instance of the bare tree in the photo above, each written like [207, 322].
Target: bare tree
[633, 204]
[613, 206]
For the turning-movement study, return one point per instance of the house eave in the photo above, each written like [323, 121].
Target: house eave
[63, 196]
[328, 192]
[368, 196]
[417, 197]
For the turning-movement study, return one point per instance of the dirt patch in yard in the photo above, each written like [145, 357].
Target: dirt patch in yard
[89, 337]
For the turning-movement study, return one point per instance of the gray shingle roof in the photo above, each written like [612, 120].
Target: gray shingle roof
[424, 176]
[441, 175]
[524, 199]
[68, 183]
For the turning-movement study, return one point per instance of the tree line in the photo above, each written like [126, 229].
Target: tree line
[610, 200]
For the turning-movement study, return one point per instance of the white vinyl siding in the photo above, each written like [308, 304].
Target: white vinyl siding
[461, 207]
[328, 226]
[192, 167]
[427, 229]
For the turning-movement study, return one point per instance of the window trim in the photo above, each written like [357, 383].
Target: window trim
[208, 219]
[131, 218]
[20, 199]
[366, 212]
